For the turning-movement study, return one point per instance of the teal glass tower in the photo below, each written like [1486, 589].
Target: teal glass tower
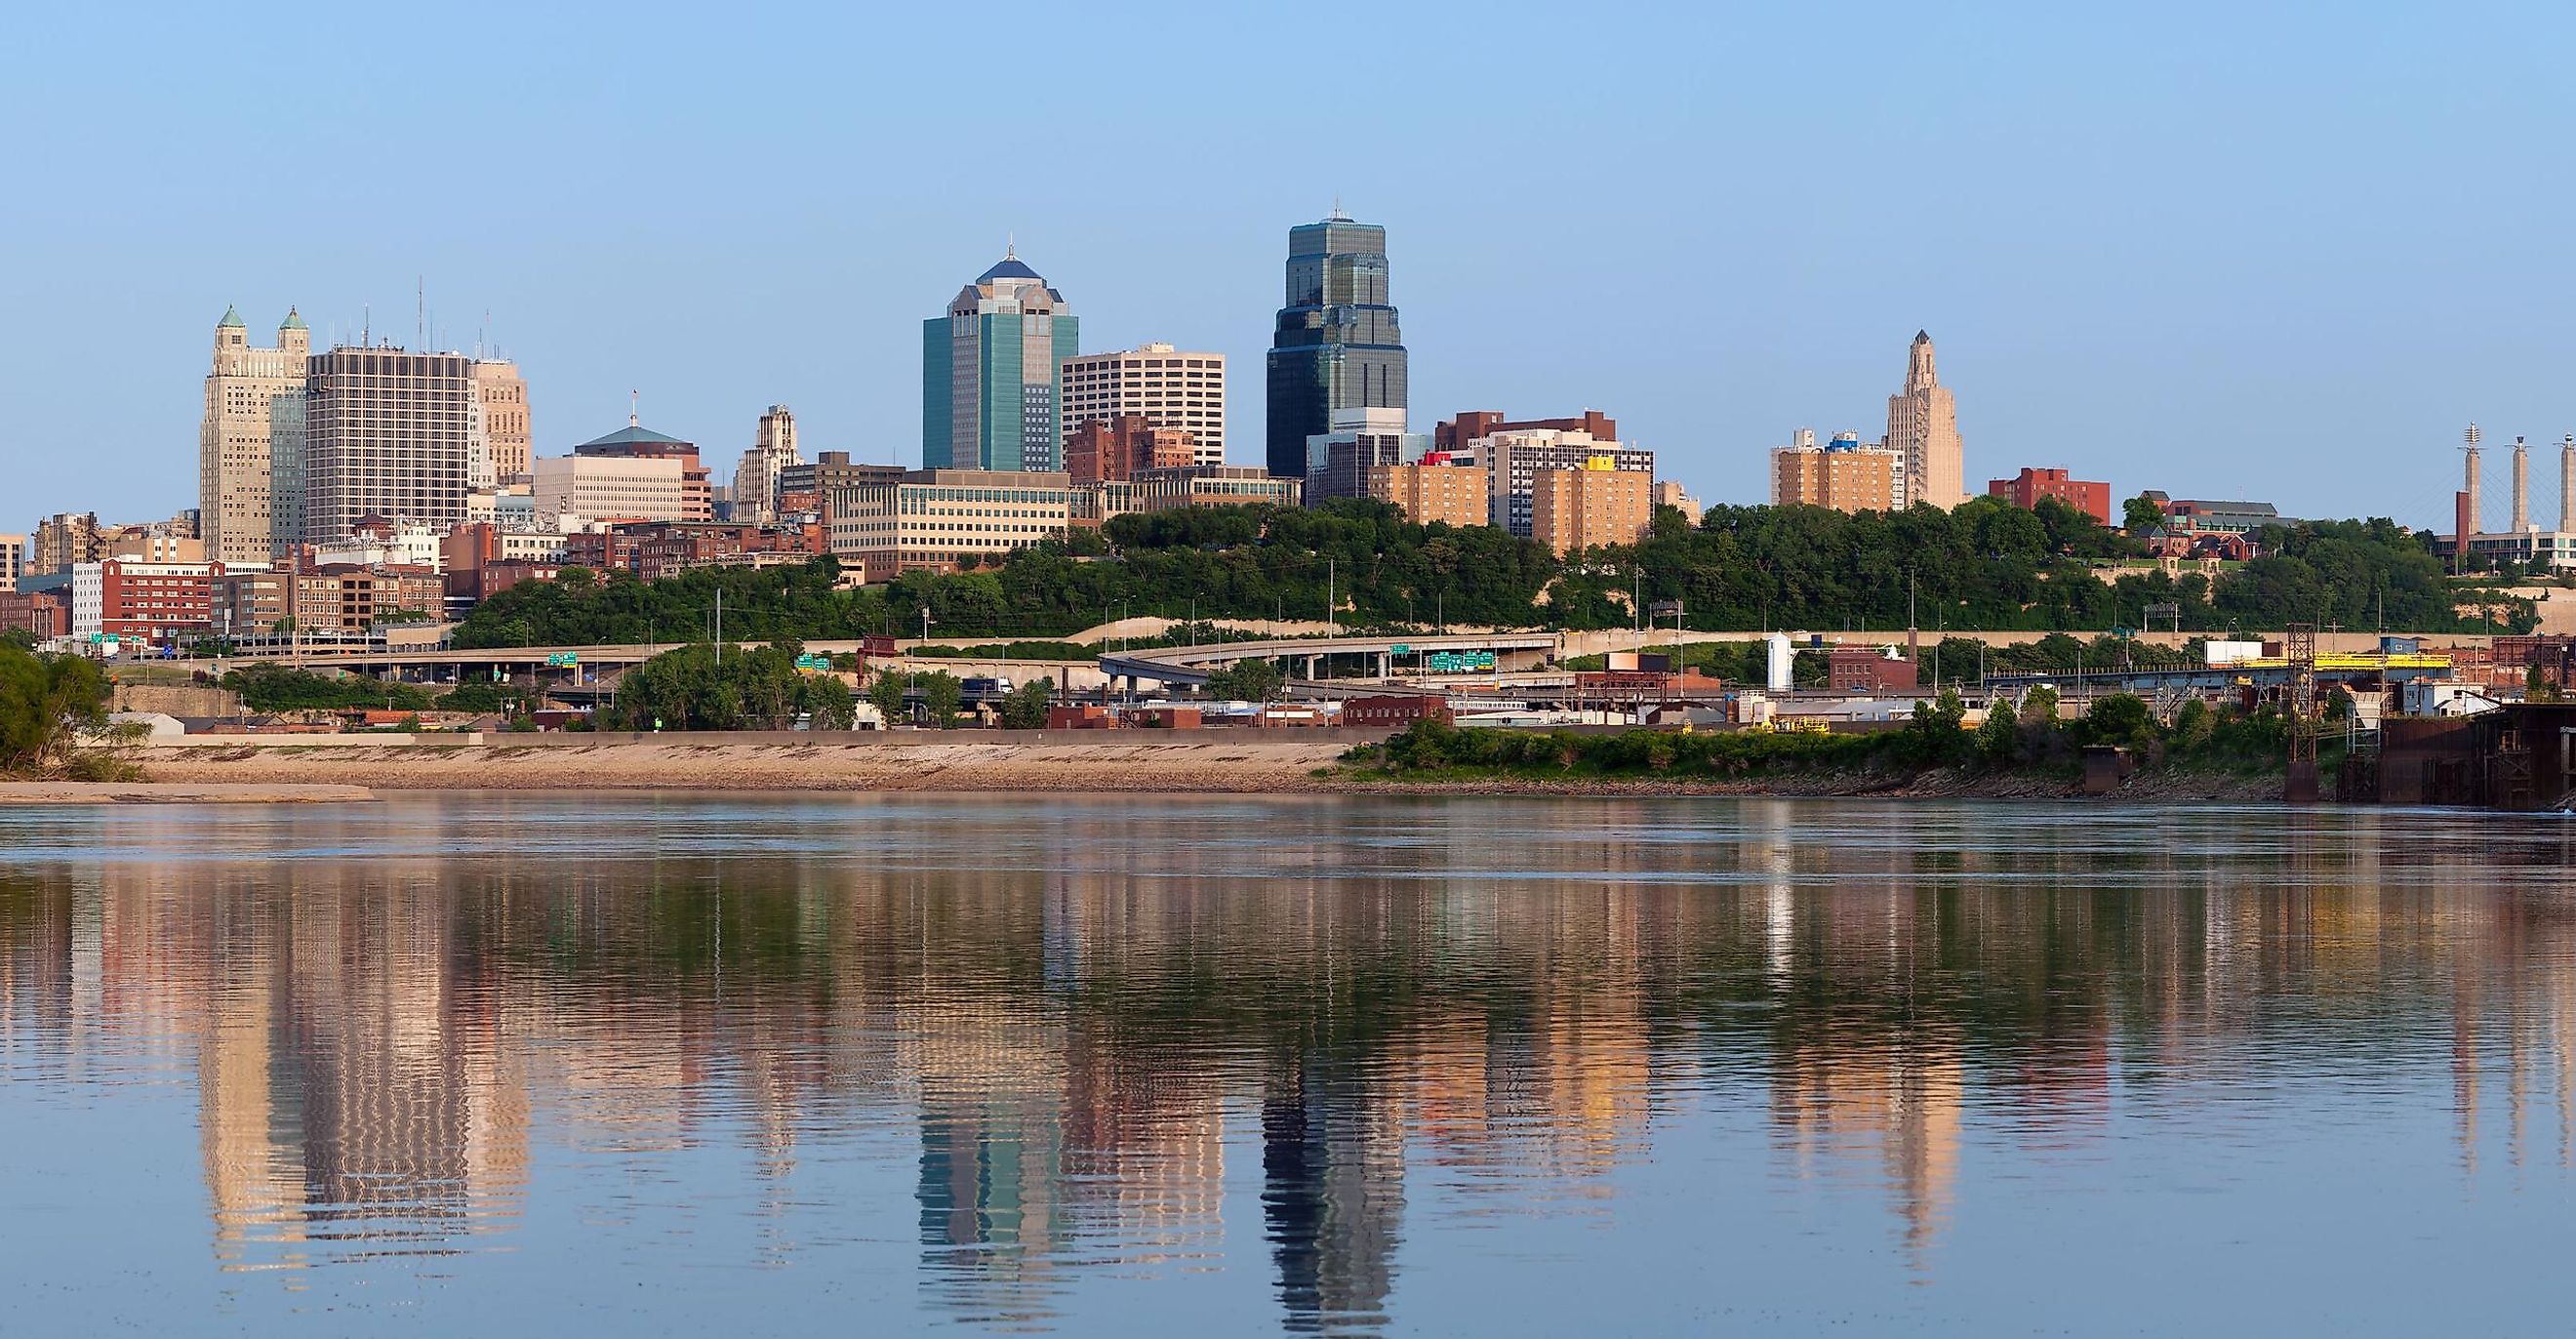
[1337, 346]
[992, 373]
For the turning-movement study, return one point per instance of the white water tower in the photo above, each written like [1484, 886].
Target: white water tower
[1778, 677]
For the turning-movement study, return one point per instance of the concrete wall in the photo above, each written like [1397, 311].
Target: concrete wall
[171, 700]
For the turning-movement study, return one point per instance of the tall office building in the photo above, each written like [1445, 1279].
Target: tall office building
[387, 432]
[1168, 387]
[503, 394]
[756, 477]
[1923, 426]
[992, 373]
[1337, 346]
[233, 457]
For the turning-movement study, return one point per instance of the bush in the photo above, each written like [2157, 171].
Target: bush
[45, 703]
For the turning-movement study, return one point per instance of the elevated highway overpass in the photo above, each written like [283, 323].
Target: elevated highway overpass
[1192, 665]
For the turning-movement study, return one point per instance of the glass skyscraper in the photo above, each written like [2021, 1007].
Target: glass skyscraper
[1337, 346]
[992, 373]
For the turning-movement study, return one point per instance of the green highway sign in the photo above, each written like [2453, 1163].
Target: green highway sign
[1402, 649]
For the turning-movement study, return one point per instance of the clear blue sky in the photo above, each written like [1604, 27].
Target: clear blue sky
[2280, 252]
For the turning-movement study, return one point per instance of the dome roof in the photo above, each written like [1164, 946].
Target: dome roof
[1010, 267]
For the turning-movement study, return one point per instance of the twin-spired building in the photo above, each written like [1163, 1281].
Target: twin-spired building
[992, 389]
[235, 505]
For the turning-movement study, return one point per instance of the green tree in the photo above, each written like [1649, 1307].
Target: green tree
[691, 688]
[1246, 681]
[45, 702]
[1999, 739]
[2193, 725]
[830, 702]
[885, 693]
[940, 696]
[2141, 514]
[1025, 708]
[2121, 720]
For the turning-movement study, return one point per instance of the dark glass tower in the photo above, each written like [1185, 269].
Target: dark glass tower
[1337, 346]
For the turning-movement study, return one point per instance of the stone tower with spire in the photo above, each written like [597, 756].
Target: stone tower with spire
[235, 513]
[1923, 425]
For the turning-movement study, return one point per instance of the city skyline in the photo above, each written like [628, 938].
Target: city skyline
[2169, 276]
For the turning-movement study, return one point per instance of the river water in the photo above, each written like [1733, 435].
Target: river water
[792, 1064]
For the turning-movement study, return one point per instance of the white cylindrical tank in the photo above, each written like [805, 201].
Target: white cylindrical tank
[1777, 680]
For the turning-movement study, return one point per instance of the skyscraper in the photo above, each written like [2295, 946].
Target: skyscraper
[389, 433]
[1337, 346]
[992, 378]
[504, 396]
[233, 490]
[1171, 388]
[1923, 425]
[755, 479]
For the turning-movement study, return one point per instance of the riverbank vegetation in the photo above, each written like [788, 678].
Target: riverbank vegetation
[1985, 565]
[707, 687]
[53, 712]
[2031, 741]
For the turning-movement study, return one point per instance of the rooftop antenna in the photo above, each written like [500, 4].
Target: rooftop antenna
[420, 311]
[634, 404]
[1010, 246]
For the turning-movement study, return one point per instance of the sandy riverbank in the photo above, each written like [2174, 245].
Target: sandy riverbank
[1280, 762]
[156, 792]
[1248, 762]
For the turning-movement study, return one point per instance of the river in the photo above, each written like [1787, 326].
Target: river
[510, 1063]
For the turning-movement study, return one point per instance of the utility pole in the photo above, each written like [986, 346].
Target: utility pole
[719, 625]
[1328, 596]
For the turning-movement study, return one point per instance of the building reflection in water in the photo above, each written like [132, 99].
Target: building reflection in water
[1072, 1013]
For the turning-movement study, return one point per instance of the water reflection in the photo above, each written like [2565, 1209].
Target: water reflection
[1163, 1039]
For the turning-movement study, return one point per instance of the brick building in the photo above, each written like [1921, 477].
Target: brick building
[159, 604]
[653, 550]
[1435, 490]
[1123, 447]
[1574, 510]
[1862, 669]
[2027, 488]
[47, 614]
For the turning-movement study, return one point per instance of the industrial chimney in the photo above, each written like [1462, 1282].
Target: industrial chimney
[2469, 498]
[2567, 483]
[2521, 486]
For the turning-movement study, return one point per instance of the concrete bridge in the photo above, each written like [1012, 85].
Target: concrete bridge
[1192, 665]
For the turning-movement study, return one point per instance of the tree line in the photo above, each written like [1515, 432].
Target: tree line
[1984, 565]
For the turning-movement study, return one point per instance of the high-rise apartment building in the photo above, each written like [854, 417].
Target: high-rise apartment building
[387, 432]
[1338, 461]
[503, 394]
[1589, 506]
[992, 389]
[1167, 387]
[1438, 489]
[1670, 493]
[1844, 476]
[13, 558]
[1923, 426]
[1513, 459]
[756, 479]
[1337, 346]
[234, 498]
[610, 488]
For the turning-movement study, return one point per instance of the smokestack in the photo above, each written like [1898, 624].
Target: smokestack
[2521, 486]
[2567, 483]
[2470, 490]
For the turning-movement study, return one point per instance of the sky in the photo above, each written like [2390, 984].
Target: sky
[2281, 252]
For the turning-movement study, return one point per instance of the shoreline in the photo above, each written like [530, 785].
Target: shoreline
[1245, 763]
[166, 792]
